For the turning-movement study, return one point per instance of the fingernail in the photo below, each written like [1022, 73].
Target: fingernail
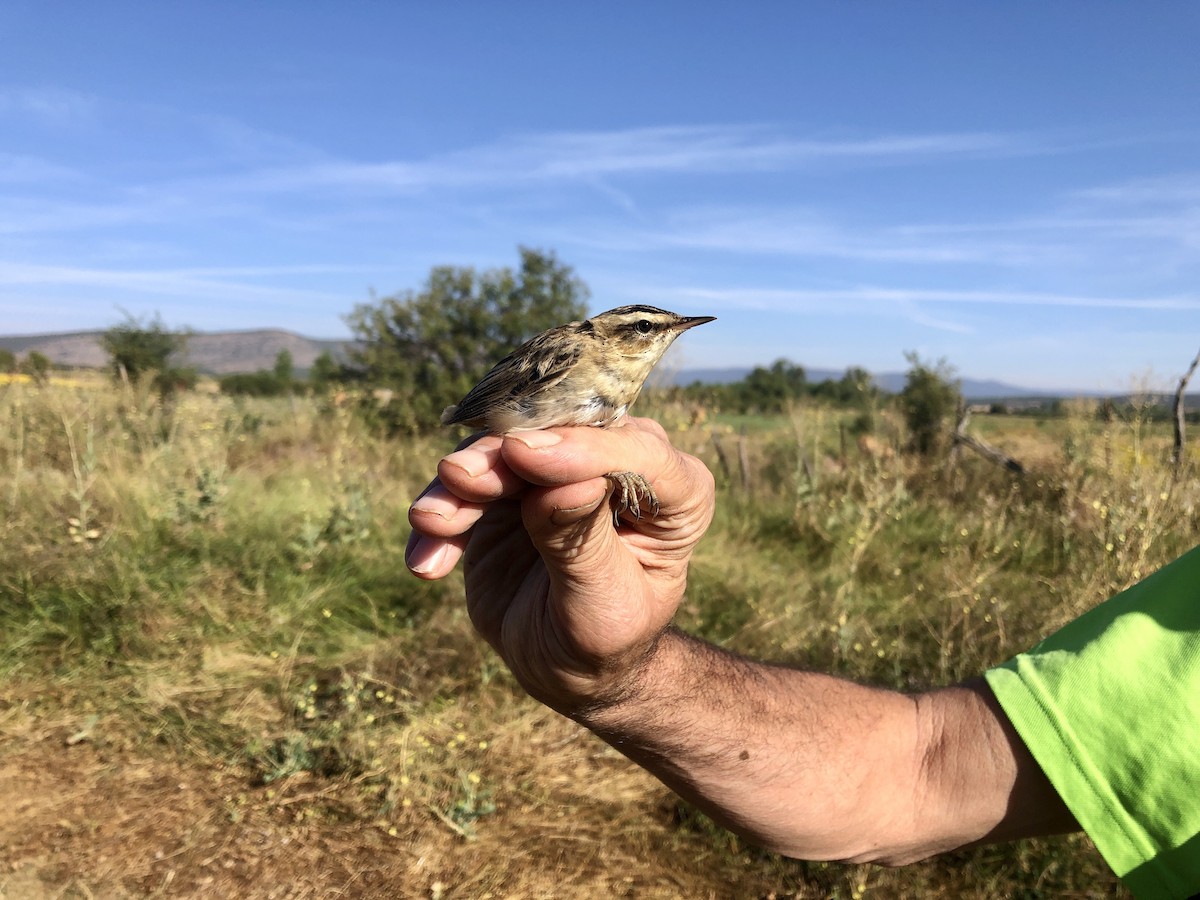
[436, 504]
[536, 440]
[426, 556]
[574, 514]
[473, 462]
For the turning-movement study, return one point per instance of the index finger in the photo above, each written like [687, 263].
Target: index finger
[477, 472]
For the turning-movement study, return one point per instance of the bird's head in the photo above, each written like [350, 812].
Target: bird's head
[640, 333]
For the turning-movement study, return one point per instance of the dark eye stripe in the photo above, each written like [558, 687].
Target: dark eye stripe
[639, 327]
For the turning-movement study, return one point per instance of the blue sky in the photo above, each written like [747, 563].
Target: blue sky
[1014, 187]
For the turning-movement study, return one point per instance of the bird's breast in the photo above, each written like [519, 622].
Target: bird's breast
[552, 411]
[589, 395]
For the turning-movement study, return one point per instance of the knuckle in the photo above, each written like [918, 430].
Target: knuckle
[708, 483]
[654, 427]
[700, 478]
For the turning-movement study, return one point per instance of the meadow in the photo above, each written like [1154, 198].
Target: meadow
[218, 679]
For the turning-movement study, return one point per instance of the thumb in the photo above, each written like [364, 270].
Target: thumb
[599, 594]
[572, 527]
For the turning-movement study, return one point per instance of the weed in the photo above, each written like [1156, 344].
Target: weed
[221, 582]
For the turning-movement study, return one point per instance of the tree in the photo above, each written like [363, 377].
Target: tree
[137, 349]
[324, 371]
[854, 388]
[8, 361]
[37, 366]
[857, 381]
[930, 397]
[285, 370]
[430, 347]
[262, 383]
[770, 390]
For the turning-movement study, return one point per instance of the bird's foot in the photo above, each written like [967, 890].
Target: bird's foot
[631, 492]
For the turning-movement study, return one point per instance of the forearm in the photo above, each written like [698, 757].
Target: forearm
[806, 764]
[817, 767]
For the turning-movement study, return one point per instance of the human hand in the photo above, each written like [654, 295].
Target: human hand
[572, 604]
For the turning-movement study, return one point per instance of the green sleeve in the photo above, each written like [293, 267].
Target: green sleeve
[1110, 708]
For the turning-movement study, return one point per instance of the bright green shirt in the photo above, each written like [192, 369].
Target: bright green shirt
[1110, 708]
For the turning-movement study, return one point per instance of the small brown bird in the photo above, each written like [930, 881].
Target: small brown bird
[581, 373]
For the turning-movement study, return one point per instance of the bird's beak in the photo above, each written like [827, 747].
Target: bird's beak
[693, 321]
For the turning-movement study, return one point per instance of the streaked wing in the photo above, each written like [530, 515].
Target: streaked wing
[537, 364]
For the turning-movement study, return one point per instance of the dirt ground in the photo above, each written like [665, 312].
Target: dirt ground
[88, 820]
[81, 823]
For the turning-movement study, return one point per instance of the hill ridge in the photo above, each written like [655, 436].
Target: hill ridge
[248, 350]
[211, 352]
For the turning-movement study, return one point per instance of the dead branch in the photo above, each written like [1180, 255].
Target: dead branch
[722, 459]
[990, 453]
[986, 450]
[1178, 453]
[960, 430]
[744, 462]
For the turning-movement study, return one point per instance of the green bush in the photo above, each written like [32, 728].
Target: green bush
[929, 399]
[430, 347]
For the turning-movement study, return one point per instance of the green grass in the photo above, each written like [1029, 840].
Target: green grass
[220, 584]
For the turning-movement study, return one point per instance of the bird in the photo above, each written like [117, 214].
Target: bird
[581, 373]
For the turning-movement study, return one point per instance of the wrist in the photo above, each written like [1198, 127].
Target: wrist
[635, 699]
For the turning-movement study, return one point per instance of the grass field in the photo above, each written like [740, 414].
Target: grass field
[219, 680]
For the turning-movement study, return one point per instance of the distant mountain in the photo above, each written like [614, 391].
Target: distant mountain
[893, 382]
[225, 352]
[736, 373]
[214, 352]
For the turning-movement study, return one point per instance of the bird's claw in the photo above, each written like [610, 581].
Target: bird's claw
[632, 492]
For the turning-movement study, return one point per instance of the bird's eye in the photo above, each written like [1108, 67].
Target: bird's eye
[643, 326]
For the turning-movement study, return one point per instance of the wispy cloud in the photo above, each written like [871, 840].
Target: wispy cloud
[807, 233]
[28, 215]
[853, 299]
[1117, 228]
[213, 285]
[238, 197]
[17, 169]
[1172, 190]
[913, 313]
[50, 105]
[586, 156]
[241, 142]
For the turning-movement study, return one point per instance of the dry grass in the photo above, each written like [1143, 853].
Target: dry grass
[219, 680]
